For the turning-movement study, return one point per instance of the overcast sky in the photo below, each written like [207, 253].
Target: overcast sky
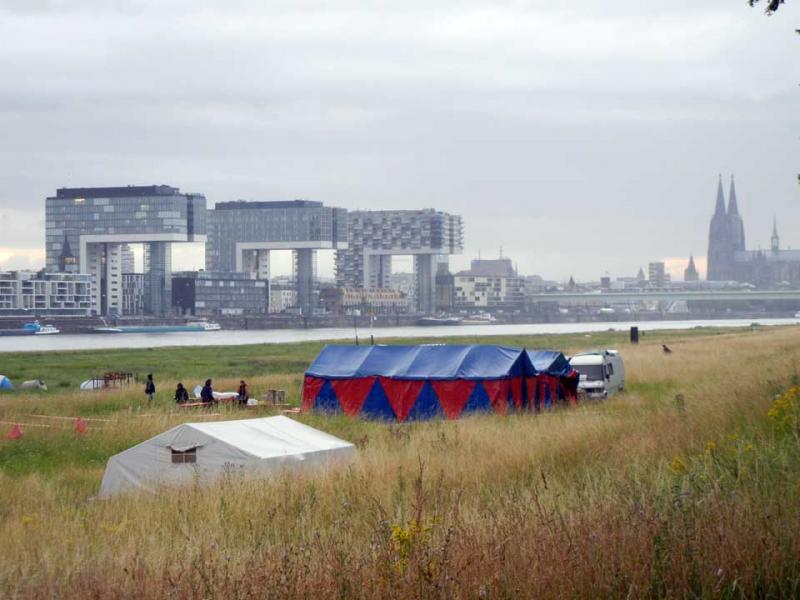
[582, 137]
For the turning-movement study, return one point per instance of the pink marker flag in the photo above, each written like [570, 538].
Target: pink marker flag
[80, 426]
[15, 433]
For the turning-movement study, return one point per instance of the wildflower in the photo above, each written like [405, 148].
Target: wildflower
[710, 447]
[113, 528]
[27, 520]
[677, 465]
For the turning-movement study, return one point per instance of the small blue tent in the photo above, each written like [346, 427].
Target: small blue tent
[425, 381]
[5, 383]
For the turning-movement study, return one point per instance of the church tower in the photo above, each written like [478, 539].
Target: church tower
[720, 243]
[67, 261]
[690, 272]
[775, 241]
[735, 220]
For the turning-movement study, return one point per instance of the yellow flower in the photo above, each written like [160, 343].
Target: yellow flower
[710, 447]
[677, 465]
[114, 528]
[27, 519]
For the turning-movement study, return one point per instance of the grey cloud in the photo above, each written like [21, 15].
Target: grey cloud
[600, 124]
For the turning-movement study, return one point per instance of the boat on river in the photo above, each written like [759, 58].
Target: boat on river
[438, 321]
[33, 328]
[194, 327]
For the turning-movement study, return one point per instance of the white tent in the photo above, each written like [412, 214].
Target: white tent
[205, 451]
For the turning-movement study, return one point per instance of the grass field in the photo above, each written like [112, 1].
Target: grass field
[688, 484]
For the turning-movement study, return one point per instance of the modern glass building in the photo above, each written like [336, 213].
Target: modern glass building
[209, 294]
[88, 230]
[375, 236]
[242, 234]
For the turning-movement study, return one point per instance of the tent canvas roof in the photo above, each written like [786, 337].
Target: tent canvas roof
[258, 446]
[415, 362]
[270, 436]
[434, 362]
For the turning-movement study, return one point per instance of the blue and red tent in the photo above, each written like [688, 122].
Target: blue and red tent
[422, 382]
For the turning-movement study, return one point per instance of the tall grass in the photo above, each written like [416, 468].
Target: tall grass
[683, 486]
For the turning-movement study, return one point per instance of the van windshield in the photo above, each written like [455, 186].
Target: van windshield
[592, 372]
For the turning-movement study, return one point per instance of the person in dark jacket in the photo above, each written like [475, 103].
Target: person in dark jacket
[242, 395]
[207, 393]
[181, 394]
[150, 388]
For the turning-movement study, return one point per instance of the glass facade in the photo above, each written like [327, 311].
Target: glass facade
[207, 294]
[78, 218]
[301, 221]
[375, 236]
[241, 234]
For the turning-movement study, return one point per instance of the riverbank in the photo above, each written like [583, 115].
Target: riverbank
[284, 336]
[657, 492]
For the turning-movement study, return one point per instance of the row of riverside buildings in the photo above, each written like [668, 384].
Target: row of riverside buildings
[90, 266]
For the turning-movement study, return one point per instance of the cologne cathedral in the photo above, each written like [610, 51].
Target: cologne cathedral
[729, 259]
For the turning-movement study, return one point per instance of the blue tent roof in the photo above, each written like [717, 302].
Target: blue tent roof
[435, 362]
[550, 362]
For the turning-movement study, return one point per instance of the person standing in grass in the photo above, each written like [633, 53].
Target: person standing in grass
[181, 394]
[207, 393]
[242, 395]
[150, 388]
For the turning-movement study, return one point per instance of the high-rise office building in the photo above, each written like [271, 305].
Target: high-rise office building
[242, 234]
[375, 236]
[657, 274]
[88, 231]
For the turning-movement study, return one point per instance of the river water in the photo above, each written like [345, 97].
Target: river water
[88, 341]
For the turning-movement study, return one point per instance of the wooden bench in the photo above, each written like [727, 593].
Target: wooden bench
[194, 405]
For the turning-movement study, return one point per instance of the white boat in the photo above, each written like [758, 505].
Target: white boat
[34, 328]
[479, 318]
[192, 326]
[47, 330]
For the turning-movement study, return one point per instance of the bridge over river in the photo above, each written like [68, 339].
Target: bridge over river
[623, 297]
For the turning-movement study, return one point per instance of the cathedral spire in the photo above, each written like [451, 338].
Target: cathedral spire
[66, 261]
[690, 272]
[720, 208]
[733, 207]
[775, 240]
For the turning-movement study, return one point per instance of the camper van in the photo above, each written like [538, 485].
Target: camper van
[601, 372]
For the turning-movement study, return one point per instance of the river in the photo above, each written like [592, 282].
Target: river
[282, 336]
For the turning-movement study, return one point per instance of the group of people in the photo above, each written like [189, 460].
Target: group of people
[206, 394]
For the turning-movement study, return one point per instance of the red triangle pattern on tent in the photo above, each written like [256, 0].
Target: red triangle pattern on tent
[351, 393]
[516, 392]
[402, 394]
[311, 388]
[497, 390]
[531, 383]
[453, 395]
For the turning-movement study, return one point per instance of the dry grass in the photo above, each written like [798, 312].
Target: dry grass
[607, 500]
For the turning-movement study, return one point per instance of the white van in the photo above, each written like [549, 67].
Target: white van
[602, 373]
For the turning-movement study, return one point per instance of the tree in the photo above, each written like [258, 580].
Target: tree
[772, 5]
